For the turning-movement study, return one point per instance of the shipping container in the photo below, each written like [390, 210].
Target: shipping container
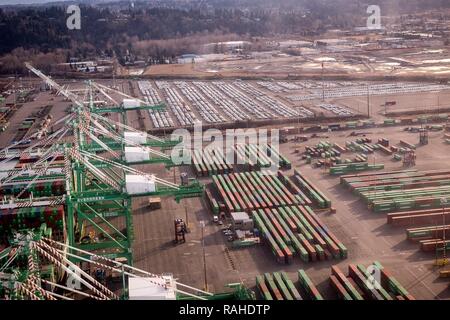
[272, 287]
[262, 288]
[349, 287]
[282, 286]
[361, 281]
[292, 289]
[308, 286]
[337, 286]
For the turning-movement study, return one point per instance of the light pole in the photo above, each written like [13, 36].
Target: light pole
[202, 223]
[298, 120]
[443, 203]
[323, 84]
[186, 217]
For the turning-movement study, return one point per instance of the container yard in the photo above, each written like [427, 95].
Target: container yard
[353, 286]
[399, 191]
[346, 190]
[225, 150]
[295, 231]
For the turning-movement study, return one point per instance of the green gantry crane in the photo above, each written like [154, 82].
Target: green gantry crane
[36, 267]
[99, 181]
[97, 224]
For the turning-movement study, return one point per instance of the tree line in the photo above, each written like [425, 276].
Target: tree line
[40, 33]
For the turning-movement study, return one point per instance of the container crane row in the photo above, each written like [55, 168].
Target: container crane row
[34, 249]
[98, 184]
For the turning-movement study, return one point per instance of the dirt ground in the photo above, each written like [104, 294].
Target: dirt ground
[175, 70]
[349, 62]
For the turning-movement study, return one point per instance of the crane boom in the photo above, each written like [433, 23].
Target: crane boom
[69, 95]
